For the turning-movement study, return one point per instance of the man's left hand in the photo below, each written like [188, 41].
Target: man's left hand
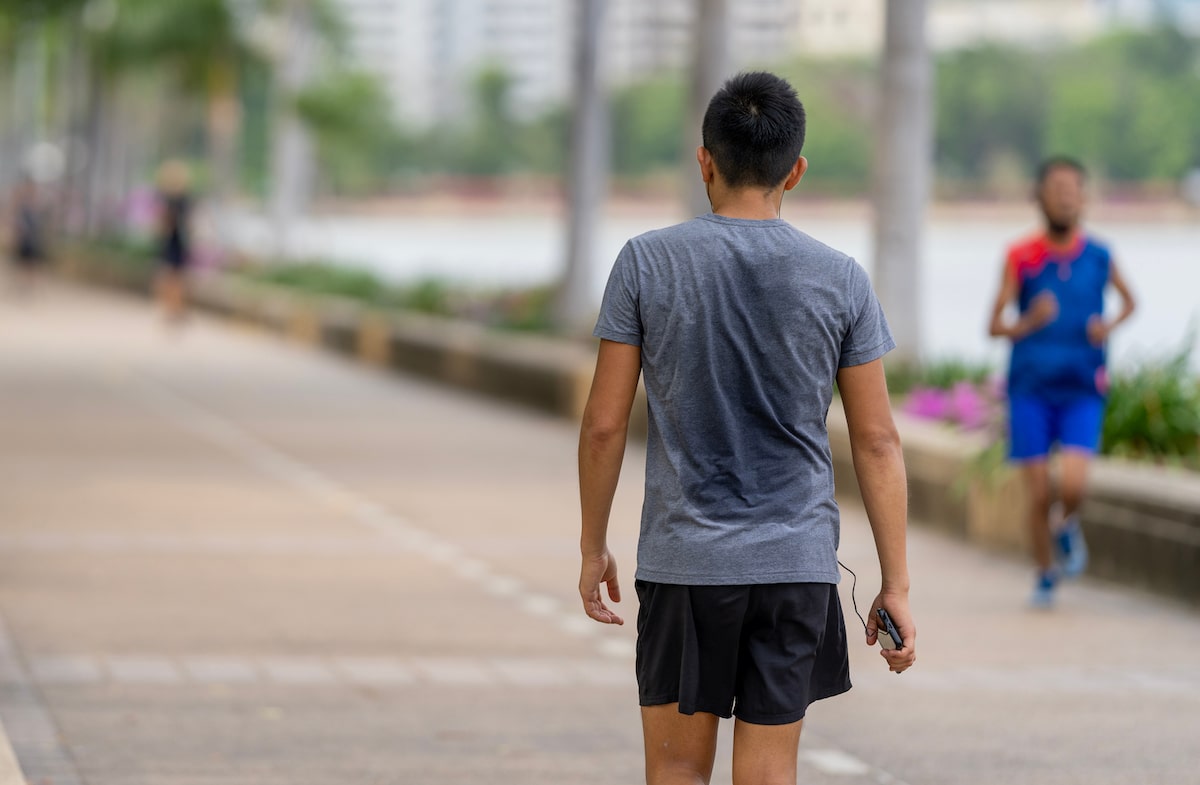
[1098, 330]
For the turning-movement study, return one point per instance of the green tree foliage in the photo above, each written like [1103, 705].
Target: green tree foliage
[1147, 112]
[1127, 104]
[542, 143]
[37, 10]
[350, 115]
[991, 105]
[838, 99]
[489, 146]
[647, 127]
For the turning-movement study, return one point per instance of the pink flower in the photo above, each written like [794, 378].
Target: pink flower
[968, 407]
[928, 403]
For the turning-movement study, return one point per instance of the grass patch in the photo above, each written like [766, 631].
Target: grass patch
[524, 310]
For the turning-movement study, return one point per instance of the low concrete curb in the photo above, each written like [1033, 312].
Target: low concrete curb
[1143, 523]
[544, 373]
[10, 769]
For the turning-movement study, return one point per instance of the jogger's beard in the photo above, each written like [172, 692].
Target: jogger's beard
[1060, 228]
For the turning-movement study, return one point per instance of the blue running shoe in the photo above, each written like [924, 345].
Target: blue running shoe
[1043, 591]
[1072, 548]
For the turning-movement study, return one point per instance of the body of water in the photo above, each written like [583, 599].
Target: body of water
[963, 260]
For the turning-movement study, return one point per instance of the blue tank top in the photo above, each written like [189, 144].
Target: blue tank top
[1059, 362]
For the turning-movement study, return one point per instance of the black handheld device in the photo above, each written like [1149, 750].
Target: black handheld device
[888, 637]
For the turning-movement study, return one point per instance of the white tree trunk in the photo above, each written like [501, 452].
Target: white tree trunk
[29, 83]
[9, 124]
[903, 159]
[710, 68]
[292, 167]
[588, 174]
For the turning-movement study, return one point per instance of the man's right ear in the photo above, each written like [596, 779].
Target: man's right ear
[705, 159]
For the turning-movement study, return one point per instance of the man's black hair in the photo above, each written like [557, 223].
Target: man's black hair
[754, 129]
[1059, 162]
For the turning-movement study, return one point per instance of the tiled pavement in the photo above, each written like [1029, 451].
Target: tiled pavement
[224, 558]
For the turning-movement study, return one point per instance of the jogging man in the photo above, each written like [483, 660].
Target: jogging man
[1057, 379]
[740, 324]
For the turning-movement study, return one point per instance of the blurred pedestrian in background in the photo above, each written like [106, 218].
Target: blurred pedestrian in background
[1057, 379]
[174, 238]
[28, 234]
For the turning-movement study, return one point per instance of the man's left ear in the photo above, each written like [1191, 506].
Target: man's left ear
[798, 170]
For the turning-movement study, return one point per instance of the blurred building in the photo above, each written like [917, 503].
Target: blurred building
[648, 37]
[855, 27]
[428, 52]
[1184, 13]
[954, 24]
[838, 27]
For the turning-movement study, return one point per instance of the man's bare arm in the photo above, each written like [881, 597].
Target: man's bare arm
[1099, 328]
[879, 467]
[601, 451]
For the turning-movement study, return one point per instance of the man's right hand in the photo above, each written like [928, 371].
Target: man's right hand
[1042, 310]
[896, 604]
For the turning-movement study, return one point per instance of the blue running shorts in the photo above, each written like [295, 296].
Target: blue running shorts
[1036, 424]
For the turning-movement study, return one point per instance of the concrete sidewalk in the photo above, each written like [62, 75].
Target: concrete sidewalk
[227, 559]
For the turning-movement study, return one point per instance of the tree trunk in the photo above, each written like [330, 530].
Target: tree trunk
[224, 121]
[100, 95]
[710, 67]
[292, 168]
[73, 124]
[903, 158]
[28, 89]
[8, 118]
[588, 176]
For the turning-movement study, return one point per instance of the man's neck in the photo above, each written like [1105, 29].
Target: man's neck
[1062, 239]
[752, 204]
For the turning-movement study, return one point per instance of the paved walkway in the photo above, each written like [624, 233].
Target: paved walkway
[224, 558]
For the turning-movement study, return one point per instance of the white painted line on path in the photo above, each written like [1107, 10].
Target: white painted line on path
[211, 427]
[143, 670]
[297, 670]
[835, 762]
[220, 670]
[374, 671]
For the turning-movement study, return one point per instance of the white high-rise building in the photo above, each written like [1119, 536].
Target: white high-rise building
[1139, 13]
[647, 37]
[855, 27]
[428, 52]
[954, 24]
[838, 27]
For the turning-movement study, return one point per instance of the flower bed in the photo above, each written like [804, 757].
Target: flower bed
[1152, 415]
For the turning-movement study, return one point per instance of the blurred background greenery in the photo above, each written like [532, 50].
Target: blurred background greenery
[198, 79]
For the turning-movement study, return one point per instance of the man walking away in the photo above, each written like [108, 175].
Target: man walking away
[740, 325]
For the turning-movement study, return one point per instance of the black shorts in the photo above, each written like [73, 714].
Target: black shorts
[28, 255]
[762, 652]
[173, 255]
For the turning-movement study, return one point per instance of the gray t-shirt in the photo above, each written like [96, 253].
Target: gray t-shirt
[743, 326]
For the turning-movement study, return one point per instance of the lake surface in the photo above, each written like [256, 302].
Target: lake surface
[959, 279]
